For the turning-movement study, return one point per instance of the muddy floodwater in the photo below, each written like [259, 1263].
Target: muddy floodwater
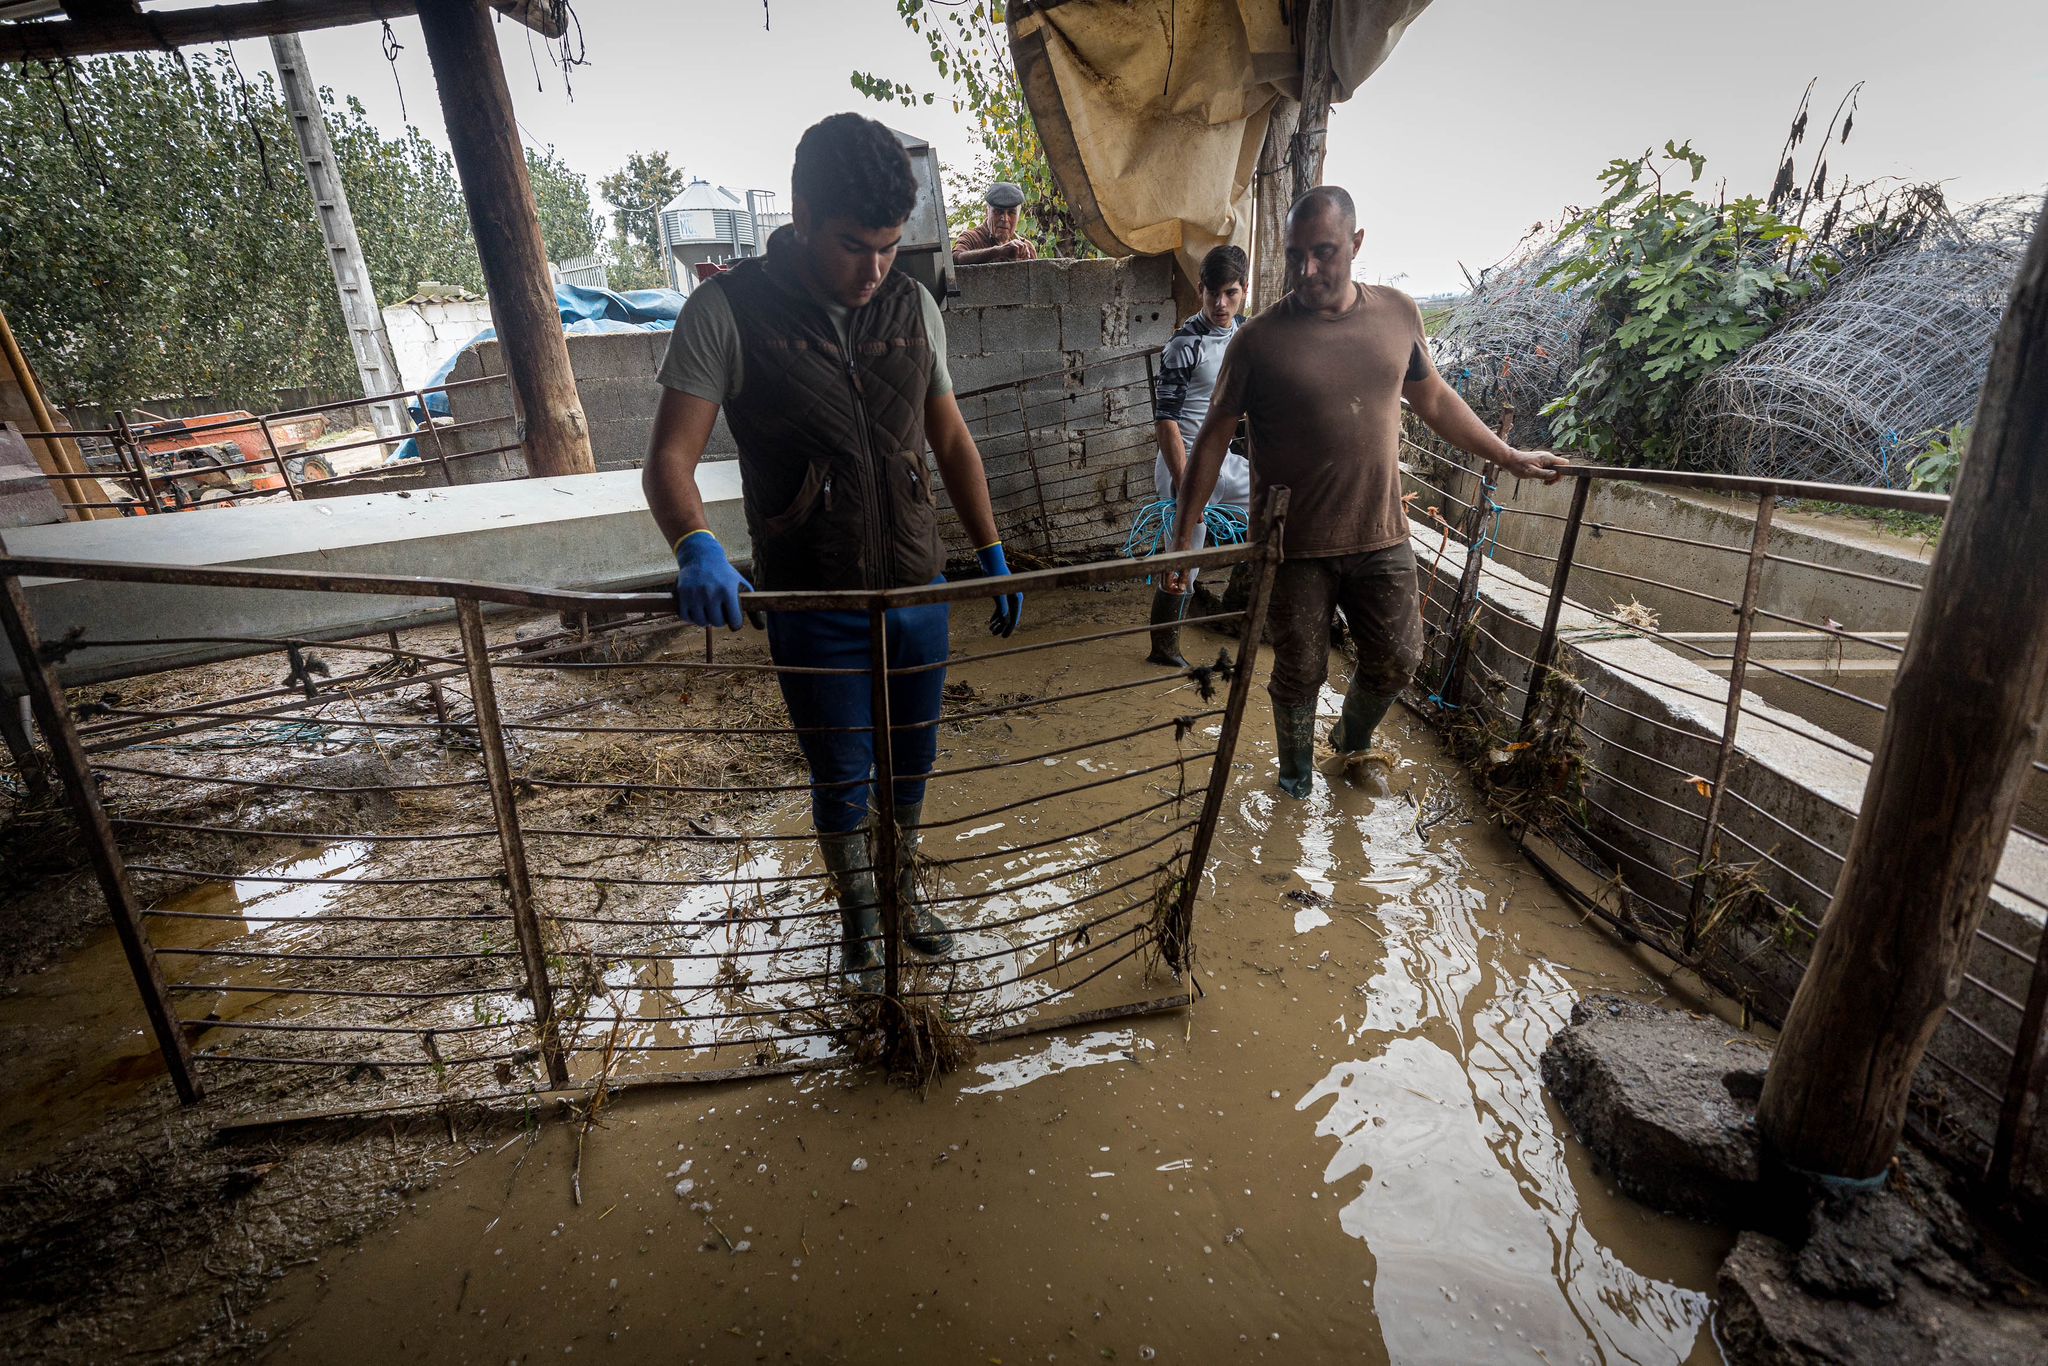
[1342, 1152]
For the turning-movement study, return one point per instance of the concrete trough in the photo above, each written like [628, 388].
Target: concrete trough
[580, 532]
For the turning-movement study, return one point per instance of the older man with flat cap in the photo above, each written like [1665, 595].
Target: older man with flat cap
[996, 239]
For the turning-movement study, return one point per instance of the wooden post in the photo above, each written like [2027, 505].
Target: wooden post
[1964, 720]
[484, 136]
[1270, 198]
[885, 848]
[1560, 581]
[1311, 134]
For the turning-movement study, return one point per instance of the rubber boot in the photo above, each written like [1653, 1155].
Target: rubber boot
[923, 931]
[851, 865]
[1167, 610]
[1363, 712]
[1295, 730]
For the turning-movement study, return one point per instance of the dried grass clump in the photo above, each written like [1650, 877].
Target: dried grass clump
[913, 1042]
[1172, 931]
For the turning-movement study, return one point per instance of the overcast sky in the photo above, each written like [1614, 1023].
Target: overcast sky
[1490, 115]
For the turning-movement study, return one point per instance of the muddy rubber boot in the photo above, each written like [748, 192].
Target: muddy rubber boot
[1167, 610]
[923, 931]
[1294, 728]
[1363, 712]
[860, 907]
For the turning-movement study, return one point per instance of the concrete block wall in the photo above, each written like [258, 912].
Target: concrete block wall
[1060, 339]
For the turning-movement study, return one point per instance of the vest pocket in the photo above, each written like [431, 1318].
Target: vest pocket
[916, 508]
[809, 494]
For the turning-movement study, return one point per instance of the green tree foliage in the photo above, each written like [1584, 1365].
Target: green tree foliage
[970, 48]
[637, 191]
[568, 228]
[1681, 286]
[157, 237]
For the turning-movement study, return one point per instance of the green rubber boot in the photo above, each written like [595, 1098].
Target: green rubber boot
[851, 865]
[1363, 712]
[1294, 728]
[1167, 610]
[923, 931]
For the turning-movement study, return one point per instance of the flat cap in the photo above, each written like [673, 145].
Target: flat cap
[1004, 195]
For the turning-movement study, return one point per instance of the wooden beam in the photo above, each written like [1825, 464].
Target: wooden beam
[1964, 721]
[1271, 194]
[108, 28]
[484, 136]
[1317, 81]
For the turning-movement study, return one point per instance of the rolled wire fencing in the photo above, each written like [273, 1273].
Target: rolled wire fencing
[1646, 777]
[489, 857]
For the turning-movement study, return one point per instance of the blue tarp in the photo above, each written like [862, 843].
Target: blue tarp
[584, 310]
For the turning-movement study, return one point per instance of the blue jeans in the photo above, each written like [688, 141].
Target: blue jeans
[842, 763]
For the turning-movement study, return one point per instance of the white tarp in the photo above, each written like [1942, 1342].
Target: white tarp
[1153, 111]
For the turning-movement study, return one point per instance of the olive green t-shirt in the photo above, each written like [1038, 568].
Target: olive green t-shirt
[1323, 396]
[703, 357]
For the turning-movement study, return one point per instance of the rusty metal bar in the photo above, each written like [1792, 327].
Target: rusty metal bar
[291, 485]
[1272, 523]
[124, 446]
[519, 890]
[1546, 639]
[2019, 1113]
[888, 884]
[1738, 670]
[102, 849]
[1037, 483]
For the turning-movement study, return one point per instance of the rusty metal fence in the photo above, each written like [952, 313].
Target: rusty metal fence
[1631, 782]
[143, 481]
[494, 855]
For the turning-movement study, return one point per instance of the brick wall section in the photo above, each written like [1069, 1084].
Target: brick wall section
[1049, 358]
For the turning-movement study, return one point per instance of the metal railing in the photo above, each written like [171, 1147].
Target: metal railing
[171, 489]
[1696, 850]
[498, 893]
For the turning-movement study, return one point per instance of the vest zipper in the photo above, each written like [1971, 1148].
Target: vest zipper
[878, 499]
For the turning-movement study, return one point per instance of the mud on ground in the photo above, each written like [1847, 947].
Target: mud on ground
[1342, 1151]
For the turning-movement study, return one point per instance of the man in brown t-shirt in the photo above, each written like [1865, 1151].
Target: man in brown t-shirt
[1321, 376]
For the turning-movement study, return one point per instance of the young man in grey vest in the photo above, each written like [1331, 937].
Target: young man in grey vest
[831, 370]
[1322, 375]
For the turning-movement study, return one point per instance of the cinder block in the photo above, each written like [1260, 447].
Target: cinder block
[1044, 371]
[1150, 325]
[1149, 277]
[1082, 326]
[1019, 328]
[1094, 282]
[1002, 282]
[1049, 283]
[963, 331]
[971, 373]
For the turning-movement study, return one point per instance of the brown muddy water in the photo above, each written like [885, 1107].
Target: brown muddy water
[1342, 1152]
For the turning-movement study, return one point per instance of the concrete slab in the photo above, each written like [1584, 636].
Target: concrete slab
[590, 531]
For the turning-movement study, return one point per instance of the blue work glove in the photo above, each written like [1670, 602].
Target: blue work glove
[1009, 607]
[708, 588]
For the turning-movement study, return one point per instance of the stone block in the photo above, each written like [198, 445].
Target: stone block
[1001, 282]
[1662, 1101]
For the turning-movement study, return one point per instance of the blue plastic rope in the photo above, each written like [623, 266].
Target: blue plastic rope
[1152, 528]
